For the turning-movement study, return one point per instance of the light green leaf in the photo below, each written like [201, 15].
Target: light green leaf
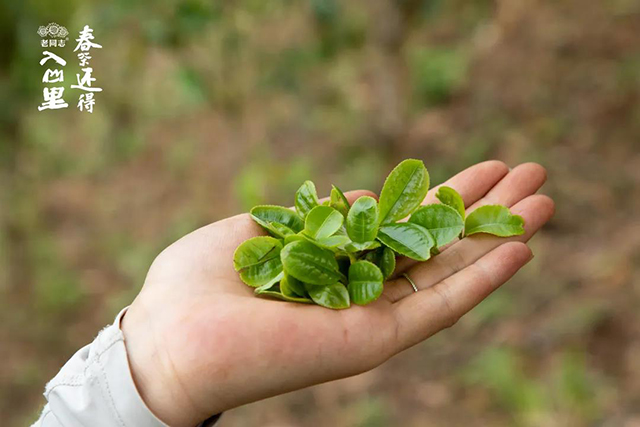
[338, 201]
[261, 274]
[306, 198]
[494, 219]
[258, 260]
[322, 222]
[387, 262]
[452, 198]
[403, 191]
[358, 247]
[333, 296]
[293, 238]
[273, 291]
[408, 239]
[279, 230]
[333, 241]
[442, 221]
[310, 263]
[268, 286]
[362, 220]
[365, 282]
[267, 216]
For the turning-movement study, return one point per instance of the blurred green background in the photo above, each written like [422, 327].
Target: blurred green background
[210, 107]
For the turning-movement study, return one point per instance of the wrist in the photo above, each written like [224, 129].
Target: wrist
[153, 373]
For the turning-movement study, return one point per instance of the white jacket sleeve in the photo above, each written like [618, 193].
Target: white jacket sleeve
[95, 388]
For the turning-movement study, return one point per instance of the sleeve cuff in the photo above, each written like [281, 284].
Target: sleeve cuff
[95, 387]
[138, 403]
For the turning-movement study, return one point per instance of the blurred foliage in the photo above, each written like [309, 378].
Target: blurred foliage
[499, 369]
[211, 107]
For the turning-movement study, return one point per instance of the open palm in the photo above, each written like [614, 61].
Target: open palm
[199, 341]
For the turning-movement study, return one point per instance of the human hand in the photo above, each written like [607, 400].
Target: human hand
[199, 342]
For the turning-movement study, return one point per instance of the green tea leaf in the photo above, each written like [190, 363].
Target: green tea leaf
[362, 220]
[333, 241]
[408, 239]
[292, 287]
[306, 198]
[267, 216]
[278, 295]
[338, 201]
[359, 247]
[403, 191]
[273, 291]
[293, 238]
[322, 222]
[374, 256]
[365, 282]
[281, 231]
[310, 263]
[452, 198]
[494, 219]
[333, 296]
[258, 260]
[255, 251]
[387, 262]
[273, 286]
[443, 222]
[337, 241]
[384, 258]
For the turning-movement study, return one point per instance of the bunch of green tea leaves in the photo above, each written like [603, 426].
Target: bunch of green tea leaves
[334, 253]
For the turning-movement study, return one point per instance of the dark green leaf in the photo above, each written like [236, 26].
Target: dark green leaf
[494, 219]
[450, 197]
[258, 260]
[338, 201]
[362, 220]
[333, 296]
[306, 198]
[344, 263]
[310, 263]
[322, 222]
[387, 262]
[442, 221]
[292, 287]
[365, 282]
[374, 256]
[267, 216]
[408, 239]
[403, 191]
[384, 258]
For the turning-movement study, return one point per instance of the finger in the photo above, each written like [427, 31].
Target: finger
[522, 181]
[354, 195]
[473, 182]
[426, 312]
[536, 211]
